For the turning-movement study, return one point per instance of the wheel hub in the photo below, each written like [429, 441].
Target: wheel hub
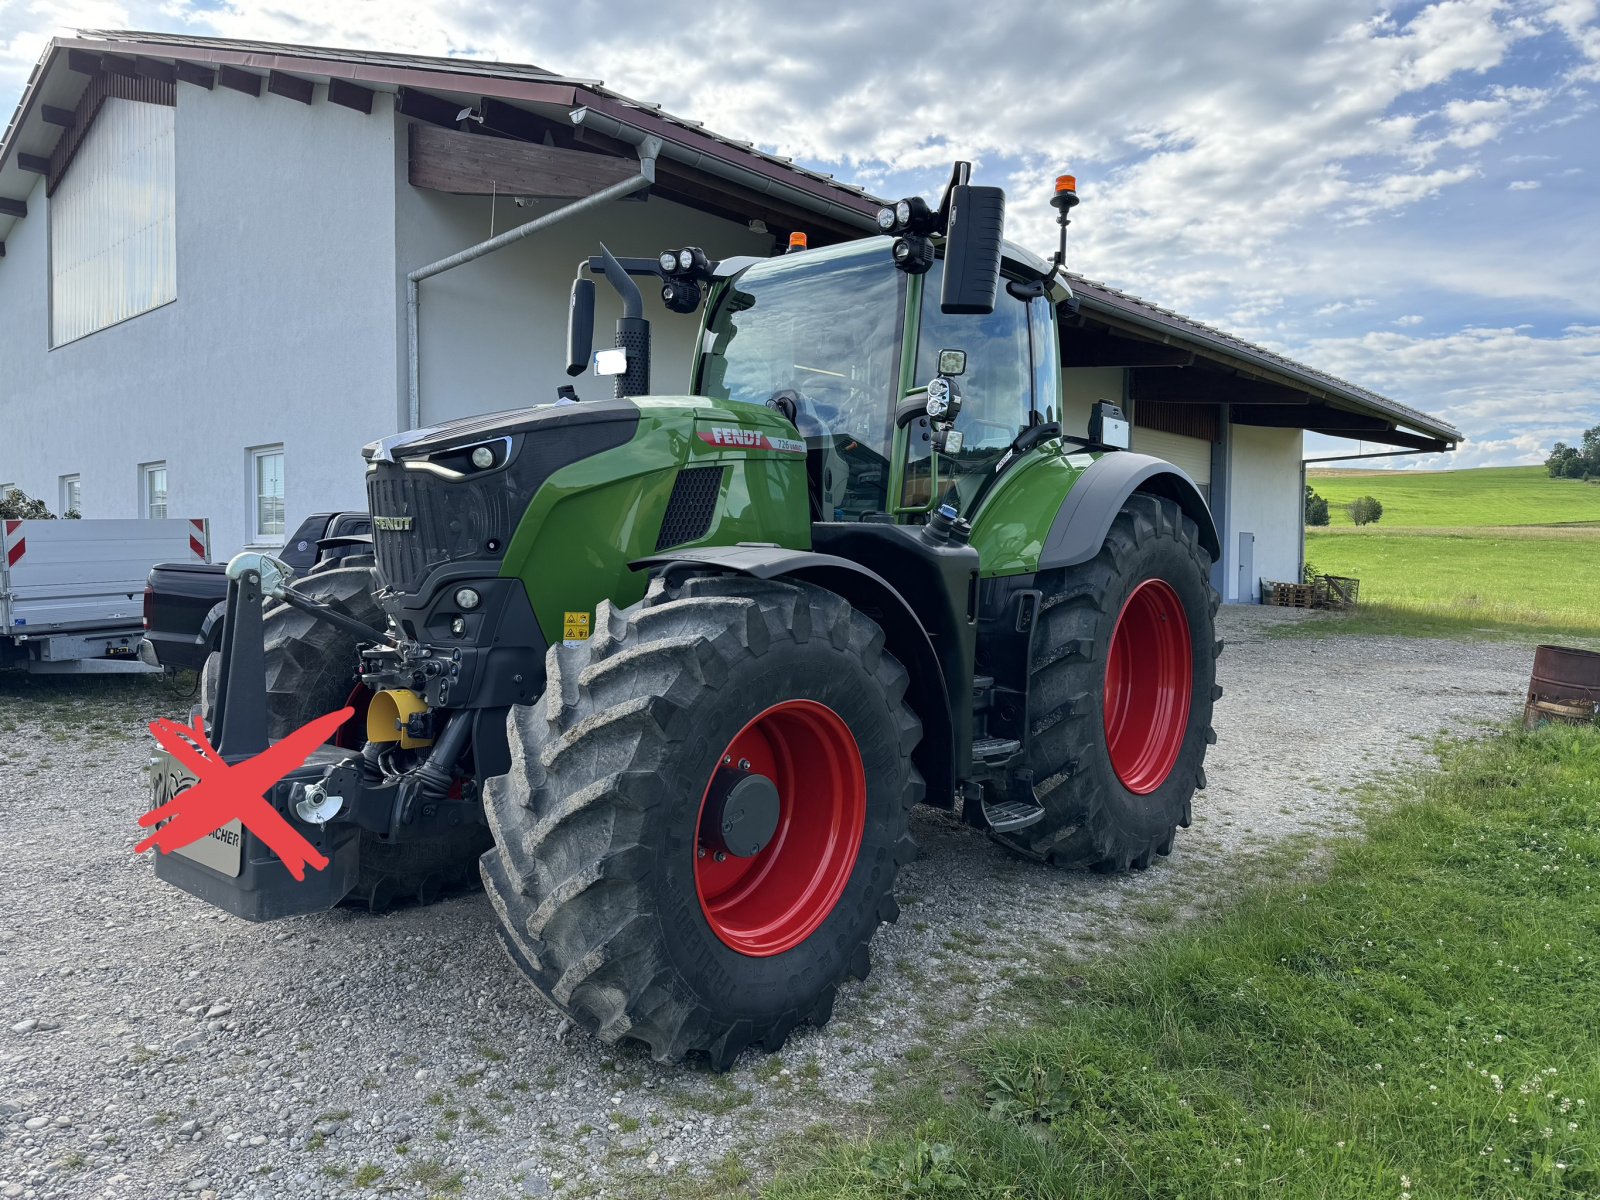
[779, 828]
[741, 813]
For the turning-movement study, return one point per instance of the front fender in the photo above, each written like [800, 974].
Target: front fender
[1084, 518]
[866, 590]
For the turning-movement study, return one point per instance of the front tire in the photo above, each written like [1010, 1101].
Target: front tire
[1121, 689]
[605, 875]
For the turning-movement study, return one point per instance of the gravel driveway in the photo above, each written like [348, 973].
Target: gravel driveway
[150, 1046]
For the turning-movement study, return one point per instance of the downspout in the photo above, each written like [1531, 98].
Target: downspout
[649, 150]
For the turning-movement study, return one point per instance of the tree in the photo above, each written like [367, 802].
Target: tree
[1576, 462]
[17, 505]
[1365, 510]
[1316, 508]
[1560, 456]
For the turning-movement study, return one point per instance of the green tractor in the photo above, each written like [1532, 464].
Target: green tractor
[672, 671]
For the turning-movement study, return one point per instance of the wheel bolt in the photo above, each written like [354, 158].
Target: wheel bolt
[700, 853]
[744, 764]
[727, 762]
[721, 857]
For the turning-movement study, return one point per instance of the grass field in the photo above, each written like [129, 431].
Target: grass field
[1496, 549]
[1482, 496]
[1418, 1023]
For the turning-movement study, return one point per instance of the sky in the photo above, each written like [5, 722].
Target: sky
[1405, 196]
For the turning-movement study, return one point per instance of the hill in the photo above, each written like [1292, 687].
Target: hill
[1455, 499]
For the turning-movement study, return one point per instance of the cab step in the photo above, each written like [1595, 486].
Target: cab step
[1008, 815]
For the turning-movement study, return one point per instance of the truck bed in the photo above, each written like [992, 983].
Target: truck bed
[71, 576]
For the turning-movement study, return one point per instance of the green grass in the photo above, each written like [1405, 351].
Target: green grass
[1450, 499]
[1500, 550]
[1417, 1022]
[1539, 583]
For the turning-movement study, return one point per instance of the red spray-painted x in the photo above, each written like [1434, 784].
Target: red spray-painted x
[227, 791]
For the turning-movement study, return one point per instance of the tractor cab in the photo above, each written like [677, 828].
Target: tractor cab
[856, 348]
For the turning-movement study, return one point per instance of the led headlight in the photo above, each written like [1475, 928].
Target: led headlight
[483, 458]
[886, 219]
[685, 260]
[668, 260]
[468, 598]
[902, 212]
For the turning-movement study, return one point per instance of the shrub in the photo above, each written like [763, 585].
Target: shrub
[1365, 510]
[1316, 508]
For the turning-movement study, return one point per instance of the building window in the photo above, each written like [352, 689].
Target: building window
[153, 490]
[113, 247]
[267, 474]
[71, 495]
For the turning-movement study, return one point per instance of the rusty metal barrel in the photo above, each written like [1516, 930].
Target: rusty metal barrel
[1565, 686]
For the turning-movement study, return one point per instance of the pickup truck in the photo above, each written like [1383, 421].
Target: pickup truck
[69, 590]
[184, 601]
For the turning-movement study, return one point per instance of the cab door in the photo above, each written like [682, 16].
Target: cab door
[1012, 372]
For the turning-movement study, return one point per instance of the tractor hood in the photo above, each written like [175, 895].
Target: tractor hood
[541, 420]
[455, 493]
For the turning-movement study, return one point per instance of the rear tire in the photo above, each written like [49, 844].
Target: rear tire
[1116, 790]
[311, 671]
[603, 898]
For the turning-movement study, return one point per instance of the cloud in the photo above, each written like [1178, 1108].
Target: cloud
[1511, 391]
[1524, 185]
[1271, 168]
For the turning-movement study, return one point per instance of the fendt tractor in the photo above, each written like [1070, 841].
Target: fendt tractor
[672, 671]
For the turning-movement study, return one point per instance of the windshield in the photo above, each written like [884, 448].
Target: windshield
[824, 325]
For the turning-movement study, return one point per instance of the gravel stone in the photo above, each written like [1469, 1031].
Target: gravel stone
[365, 1031]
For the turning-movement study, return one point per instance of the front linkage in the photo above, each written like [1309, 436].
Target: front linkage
[342, 793]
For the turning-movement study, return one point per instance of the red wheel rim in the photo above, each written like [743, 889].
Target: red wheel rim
[773, 901]
[1149, 675]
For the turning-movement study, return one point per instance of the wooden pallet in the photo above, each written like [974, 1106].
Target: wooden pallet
[1288, 595]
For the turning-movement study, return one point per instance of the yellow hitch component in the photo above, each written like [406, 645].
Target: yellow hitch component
[388, 714]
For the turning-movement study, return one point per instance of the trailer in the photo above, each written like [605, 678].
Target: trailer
[72, 592]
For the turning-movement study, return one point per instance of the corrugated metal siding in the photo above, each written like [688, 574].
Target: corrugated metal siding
[1191, 420]
[1192, 455]
[113, 251]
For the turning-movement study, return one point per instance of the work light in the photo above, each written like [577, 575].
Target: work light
[468, 598]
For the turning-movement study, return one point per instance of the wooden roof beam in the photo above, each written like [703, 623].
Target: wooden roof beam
[350, 95]
[472, 164]
[1087, 347]
[1192, 385]
[247, 82]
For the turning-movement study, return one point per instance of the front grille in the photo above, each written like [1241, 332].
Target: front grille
[692, 506]
[449, 521]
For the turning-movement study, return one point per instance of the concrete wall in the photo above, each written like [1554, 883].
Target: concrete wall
[493, 332]
[1264, 498]
[282, 330]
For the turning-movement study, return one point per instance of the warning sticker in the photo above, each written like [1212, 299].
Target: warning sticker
[575, 627]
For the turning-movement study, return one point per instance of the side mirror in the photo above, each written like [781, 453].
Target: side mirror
[580, 327]
[972, 249]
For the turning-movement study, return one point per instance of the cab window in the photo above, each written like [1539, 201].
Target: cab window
[996, 390]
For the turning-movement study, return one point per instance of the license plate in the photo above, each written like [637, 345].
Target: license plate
[223, 850]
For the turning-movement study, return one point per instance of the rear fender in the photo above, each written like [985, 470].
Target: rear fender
[1084, 518]
[866, 590]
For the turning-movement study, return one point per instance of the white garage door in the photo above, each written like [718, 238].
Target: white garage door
[1192, 455]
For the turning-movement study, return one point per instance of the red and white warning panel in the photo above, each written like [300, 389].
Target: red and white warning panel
[200, 539]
